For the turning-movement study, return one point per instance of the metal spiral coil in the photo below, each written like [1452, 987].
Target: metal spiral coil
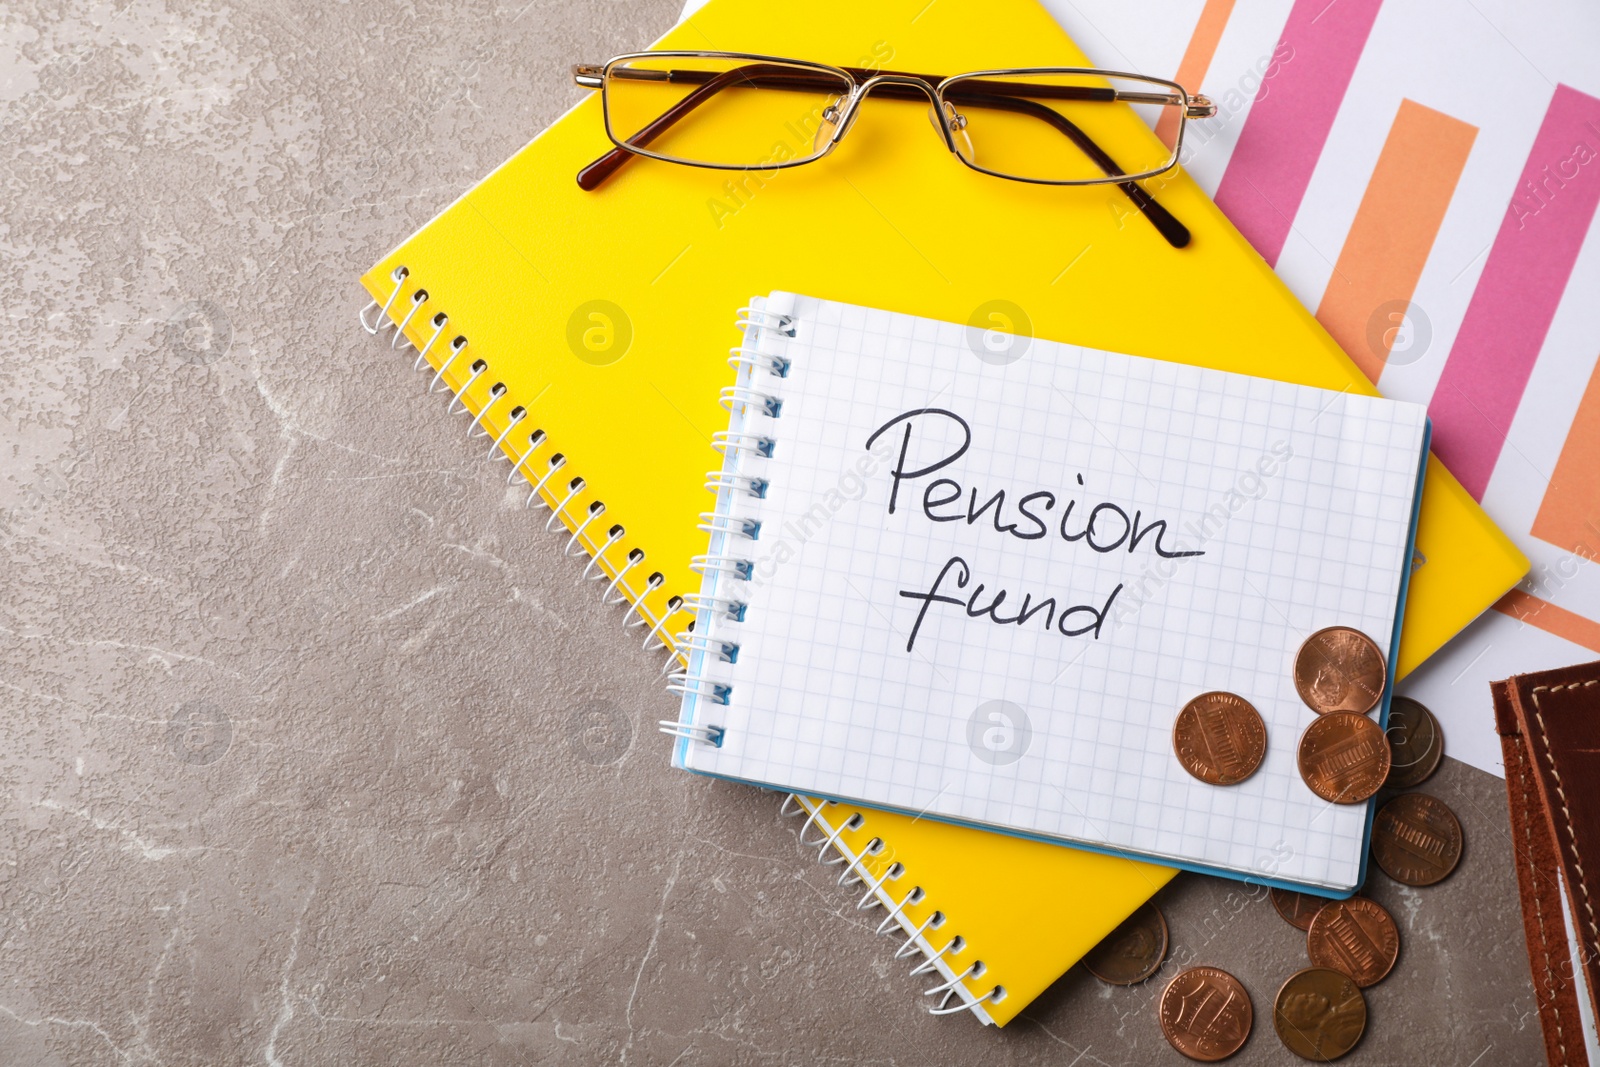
[734, 566]
[718, 605]
[952, 993]
[399, 314]
[713, 522]
[744, 483]
[762, 319]
[708, 648]
[725, 441]
[741, 358]
[702, 688]
[687, 642]
[769, 405]
[706, 735]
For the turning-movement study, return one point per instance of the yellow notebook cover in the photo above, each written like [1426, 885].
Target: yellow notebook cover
[587, 333]
[1026, 913]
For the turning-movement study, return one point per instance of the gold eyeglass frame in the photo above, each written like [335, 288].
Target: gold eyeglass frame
[948, 119]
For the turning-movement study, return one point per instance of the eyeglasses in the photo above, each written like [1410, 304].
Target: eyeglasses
[1044, 125]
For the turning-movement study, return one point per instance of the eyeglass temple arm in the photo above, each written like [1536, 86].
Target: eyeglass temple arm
[1175, 232]
[994, 94]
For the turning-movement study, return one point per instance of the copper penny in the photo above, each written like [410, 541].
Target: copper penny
[1297, 909]
[1356, 937]
[1416, 744]
[1205, 1014]
[1133, 951]
[1416, 839]
[1319, 1014]
[1220, 738]
[1340, 669]
[1344, 757]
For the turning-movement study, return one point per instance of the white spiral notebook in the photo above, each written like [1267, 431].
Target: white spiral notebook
[975, 576]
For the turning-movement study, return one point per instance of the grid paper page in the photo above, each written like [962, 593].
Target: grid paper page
[1294, 505]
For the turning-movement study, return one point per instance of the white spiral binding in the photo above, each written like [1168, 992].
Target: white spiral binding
[723, 440]
[740, 358]
[726, 651]
[736, 566]
[708, 735]
[728, 528]
[584, 538]
[717, 605]
[713, 641]
[954, 997]
[711, 522]
[762, 319]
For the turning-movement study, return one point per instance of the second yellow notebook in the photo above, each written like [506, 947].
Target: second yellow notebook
[580, 332]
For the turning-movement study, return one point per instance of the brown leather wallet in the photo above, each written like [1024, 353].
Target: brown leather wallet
[1549, 727]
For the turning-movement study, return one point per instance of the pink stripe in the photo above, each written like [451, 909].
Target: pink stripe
[1522, 282]
[1289, 122]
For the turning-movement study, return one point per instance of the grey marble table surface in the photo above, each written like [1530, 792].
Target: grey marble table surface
[294, 763]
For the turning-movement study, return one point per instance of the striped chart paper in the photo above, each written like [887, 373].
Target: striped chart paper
[1426, 178]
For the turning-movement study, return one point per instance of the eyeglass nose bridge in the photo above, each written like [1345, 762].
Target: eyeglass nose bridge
[851, 107]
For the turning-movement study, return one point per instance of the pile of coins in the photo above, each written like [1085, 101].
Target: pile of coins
[1344, 757]
[1221, 739]
[1320, 1013]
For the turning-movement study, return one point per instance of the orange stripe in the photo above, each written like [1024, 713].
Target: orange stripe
[1569, 515]
[1196, 60]
[1568, 625]
[1393, 232]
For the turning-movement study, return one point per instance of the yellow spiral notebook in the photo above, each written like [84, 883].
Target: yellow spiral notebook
[584, 335]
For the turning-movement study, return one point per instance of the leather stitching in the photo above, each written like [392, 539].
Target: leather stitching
[1566, 812]
[1550, 979]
